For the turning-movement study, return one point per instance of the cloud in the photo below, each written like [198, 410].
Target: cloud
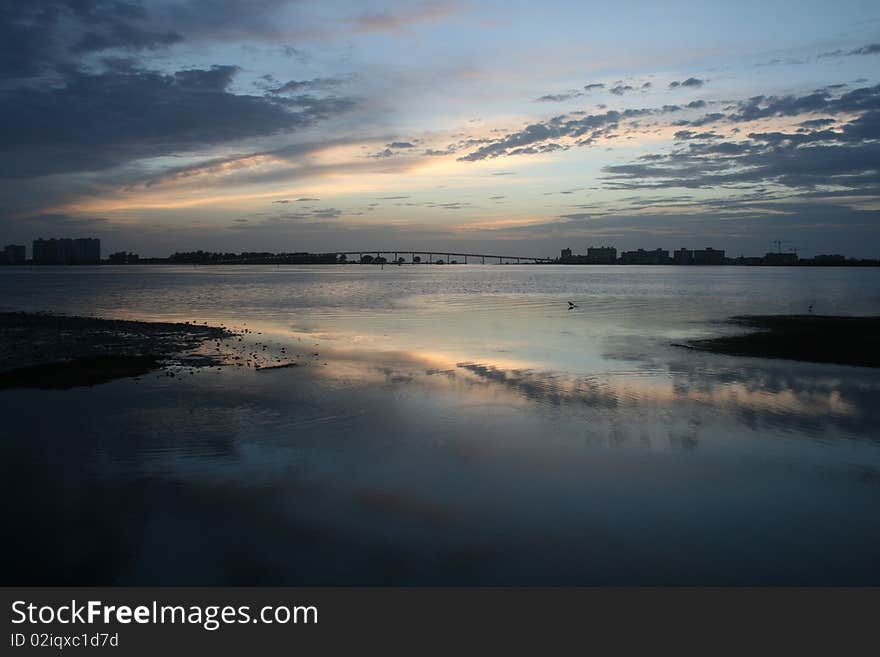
[275, 220]
[326, 213]
[382, 21]
[803, 160]
[536, 138]
[238, 162]
[759, 107]
[49, 38]
[690, 82]
[683, 135]
[706, 119]
[817, 123]
[23, 229]
[447, 206]
[216, 78]
[565, 191]
[593, 85]
[77, 96]
[42, 38]
[97, 121]
[821, 101]
[395, 147]
[870, 49]
[788, 61]
[558, 132]
[314, 84]
[228, 19]
[558, 98]
[432, 152]
[620, 89]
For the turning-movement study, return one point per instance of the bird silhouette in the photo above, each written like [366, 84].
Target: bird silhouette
[571, 305]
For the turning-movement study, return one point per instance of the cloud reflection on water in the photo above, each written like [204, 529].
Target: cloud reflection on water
[790, 397]
[418, 467]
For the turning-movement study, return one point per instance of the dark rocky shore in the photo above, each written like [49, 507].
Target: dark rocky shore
[810, 338]
[58, 351]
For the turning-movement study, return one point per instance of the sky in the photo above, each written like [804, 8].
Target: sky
[495, 126]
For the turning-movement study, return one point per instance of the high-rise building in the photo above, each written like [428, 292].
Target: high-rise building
[601, 255]
[683, 257]
[707, 256]
[13, 254]
[86, 251]
[66, 251]
[642, 257]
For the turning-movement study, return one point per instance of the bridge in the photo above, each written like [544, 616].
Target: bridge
[437, 257]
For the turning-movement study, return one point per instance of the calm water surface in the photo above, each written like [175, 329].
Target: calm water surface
[450, 425]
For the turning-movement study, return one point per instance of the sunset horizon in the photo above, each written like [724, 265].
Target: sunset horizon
[167, 126]
[441, 321]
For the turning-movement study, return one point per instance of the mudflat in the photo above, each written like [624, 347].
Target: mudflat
[40, 350]
[812, 338]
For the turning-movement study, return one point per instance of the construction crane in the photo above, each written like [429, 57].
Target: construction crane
[779, 244]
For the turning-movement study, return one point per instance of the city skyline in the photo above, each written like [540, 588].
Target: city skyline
[175, 125]
[87, 251]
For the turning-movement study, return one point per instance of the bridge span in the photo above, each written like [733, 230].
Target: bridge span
[437, 257]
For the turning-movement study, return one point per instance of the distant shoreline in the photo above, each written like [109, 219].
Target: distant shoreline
[166, 262]
[839, 340]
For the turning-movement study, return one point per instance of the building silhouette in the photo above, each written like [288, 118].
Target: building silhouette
[778, 258]
[601, 255]
[642, 257]
[66, 251]
[833, 259]
[13, 254]
[123, 258]
[683, 257]
[707, 256]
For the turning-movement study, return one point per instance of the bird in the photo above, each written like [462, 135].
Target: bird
[810, 309]
[571, 305]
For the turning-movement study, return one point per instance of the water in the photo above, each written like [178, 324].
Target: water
[458, 425]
